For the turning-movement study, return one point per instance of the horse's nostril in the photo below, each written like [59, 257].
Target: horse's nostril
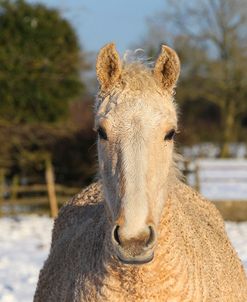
[145, 240]
[152, 236]
[116, 235]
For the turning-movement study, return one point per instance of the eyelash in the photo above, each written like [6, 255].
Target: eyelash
[102, 134]
[170, 135]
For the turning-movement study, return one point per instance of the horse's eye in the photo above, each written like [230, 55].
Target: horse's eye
[102, 133]
[169, 136]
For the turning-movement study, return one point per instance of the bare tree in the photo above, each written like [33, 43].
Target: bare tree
[219, 29]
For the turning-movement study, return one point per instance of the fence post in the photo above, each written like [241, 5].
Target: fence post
[14, 193]
[186, 170]
[50, 182]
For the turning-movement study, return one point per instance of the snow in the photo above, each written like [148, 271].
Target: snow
[24, 245]
[237, 233]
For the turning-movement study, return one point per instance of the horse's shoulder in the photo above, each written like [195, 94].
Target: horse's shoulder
[77, 244]
[86, 205]
[198, 207]
[91, 194]
[199, 227]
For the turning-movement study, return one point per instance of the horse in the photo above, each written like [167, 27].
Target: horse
[139, 233]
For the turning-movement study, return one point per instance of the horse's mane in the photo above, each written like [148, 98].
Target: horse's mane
[137, 71]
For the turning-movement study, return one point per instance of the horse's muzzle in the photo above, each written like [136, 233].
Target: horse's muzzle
[137, 250]
[136, 260]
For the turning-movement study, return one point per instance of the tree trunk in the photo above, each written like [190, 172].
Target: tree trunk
[2, 189]
[228, 130]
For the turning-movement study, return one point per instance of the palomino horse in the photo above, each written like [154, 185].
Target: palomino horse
[139, 233]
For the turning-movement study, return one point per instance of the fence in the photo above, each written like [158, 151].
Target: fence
[35, 198]
[17, 198]
[222, 181]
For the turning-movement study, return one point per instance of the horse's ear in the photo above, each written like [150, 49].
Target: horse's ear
[108, 66]
[167, 68]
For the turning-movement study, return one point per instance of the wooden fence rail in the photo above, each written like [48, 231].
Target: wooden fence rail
[35, 198]
[16, 198]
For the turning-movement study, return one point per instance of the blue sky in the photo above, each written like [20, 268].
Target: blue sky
[98, 22]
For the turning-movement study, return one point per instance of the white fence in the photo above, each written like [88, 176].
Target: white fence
[219, 179]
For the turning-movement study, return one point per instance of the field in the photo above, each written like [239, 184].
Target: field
[25, 244]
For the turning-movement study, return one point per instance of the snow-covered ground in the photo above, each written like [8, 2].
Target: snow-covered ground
[24, 245]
